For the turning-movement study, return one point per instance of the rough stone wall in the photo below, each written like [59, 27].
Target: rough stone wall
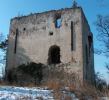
[88, 52]
[34, 39]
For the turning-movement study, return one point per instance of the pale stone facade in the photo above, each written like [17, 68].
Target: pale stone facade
[53, 37]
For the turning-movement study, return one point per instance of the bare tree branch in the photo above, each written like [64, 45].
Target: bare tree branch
[102, 25]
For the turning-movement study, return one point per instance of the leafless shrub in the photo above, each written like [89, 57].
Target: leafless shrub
[58, 79]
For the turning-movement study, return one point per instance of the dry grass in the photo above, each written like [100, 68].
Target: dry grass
[30, 85]
[82, 91]
[72, 87]
[5, 83]
[58, 79]
[55, 85]
[105, 92]
[86, 91]
[2, 83]
[58, 95]
[68, 98]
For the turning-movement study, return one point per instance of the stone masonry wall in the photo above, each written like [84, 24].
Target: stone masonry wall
[34, 39]
[88, 52]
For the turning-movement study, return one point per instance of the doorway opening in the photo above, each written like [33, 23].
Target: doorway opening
[54, 55]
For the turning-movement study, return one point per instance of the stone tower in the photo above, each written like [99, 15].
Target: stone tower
[52, 37]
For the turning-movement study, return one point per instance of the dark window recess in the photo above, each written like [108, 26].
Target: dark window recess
[73, 37]
[86, 55]
[58, 22]
[54, 55]
[16, 36]
[50, 33]
[24, 29]
[90, 41]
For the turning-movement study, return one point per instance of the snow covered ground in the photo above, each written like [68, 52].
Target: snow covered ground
[24, 93]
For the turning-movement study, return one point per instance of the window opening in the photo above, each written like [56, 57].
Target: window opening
[15, 47]
[50, 33]
[90, 43]
[72, 36]
[58, 22]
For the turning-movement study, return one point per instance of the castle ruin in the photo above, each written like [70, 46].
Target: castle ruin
[52, 37]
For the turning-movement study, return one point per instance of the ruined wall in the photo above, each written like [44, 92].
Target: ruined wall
[88, 52]
[32, 36]
[34, 39]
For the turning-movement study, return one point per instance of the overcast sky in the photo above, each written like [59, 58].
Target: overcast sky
[12, 8]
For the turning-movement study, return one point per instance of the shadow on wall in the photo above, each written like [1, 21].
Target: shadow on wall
[21, 57]
[16, 55]
[15, 58]
[23, 70]
[26, 73]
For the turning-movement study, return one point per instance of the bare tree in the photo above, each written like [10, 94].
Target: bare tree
[3, 49]
[3, 42]
[102, 25]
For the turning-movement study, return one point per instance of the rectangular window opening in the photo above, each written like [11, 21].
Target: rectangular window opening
[58, 22]
[50, 33]
[86, 54]
[15, 47]
[73, 37]
[90, 41]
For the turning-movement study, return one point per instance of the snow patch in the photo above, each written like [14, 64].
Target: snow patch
[24, 93]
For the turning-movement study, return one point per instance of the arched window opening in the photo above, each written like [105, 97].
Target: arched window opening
[54, 55]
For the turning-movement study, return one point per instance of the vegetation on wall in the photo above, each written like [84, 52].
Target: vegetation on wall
[31, 72]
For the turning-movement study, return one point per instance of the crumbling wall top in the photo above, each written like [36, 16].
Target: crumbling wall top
[46, 12]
